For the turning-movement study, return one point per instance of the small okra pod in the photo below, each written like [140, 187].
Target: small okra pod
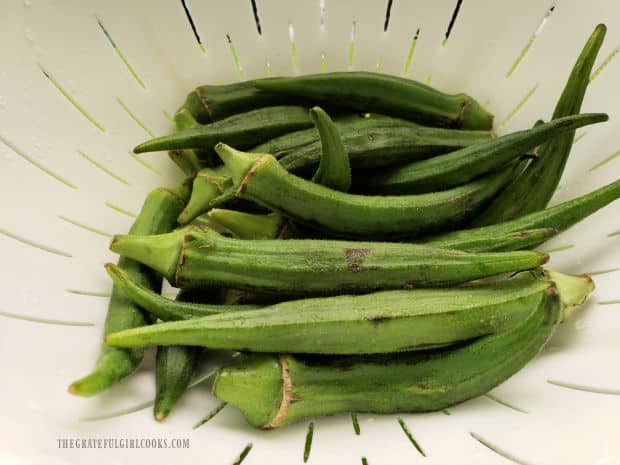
[559, 217]
[389, 95]
[271, 390]
[461, 166]
[260, 178]
[201, 257]
[382, 322]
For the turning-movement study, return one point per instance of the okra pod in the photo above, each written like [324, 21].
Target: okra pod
[532, 190]
[244, 130]
[389, 95]
[208, 184]
[158, 214]
[161, 307]
[461, 166]
[262, 180]
[248, 225]
[334, 169]
[382, 322]
[186, 159]
[559, 217]
[271, 391]
[198, 257]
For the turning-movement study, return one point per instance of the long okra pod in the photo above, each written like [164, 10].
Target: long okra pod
[158, 215]
[390, 95]
[334, 168]
[559, 217]
[461, 166]
[533, 189]
[244, 130]
[383, 322]
[272, 391]
[196, 258]
[161, 307]
[262, 180]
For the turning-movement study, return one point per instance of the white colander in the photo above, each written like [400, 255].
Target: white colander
[81, 82]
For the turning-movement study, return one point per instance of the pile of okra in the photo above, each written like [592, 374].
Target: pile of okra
[361, 243]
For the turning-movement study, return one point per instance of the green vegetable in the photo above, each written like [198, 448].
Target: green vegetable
[390, 95]
[196, 258]
[272, 391]
[532, 191]
[214, 102]
[264, 181]
[461, 166]
[208, 184]
[248, 225]
[160, 307]
[187, 159]
[158, 214]
[559, 217]
[383, 322]
[334, 169]
[244, 130]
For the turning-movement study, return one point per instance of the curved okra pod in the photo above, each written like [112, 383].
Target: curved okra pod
[334, 168]
[214, 102]
[186, 159]
[532, 190]
[383, 322]
[272, 391]
[559, 217]
[208, 184]
[196, 258]
[260, 178]
[461, 166]
[244, 130]
[161, 307]
[389, 95]
[158, 215]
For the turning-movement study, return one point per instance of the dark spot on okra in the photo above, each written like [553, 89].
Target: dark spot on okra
[375, 320]
[424, 386]
[355, 258]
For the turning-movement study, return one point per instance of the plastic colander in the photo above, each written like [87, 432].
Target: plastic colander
[82, 82]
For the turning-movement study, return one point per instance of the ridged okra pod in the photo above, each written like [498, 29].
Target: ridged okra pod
[158, 215]
[389, 95]
[382, 322]
[272, 391]
[334, 169]
[461, 166]
[532, 190]
[244, 130]
[559, 217]
[200, 257]
[260, 178]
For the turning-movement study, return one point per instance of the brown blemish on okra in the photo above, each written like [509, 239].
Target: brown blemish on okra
[287, 396]
[251, 172]
[355, 258]
[376, 320]
[203, 100]
[463, 109]
[216, 182]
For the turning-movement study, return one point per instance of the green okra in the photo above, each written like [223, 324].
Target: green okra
[334, 169]
[158, 214]
[559, 217]
[382, 322]
[161, 307]
[199, 257]
[271, 391]
[208, 184]
[186, 159]
[248, 225]
[246, 130]
[532, 190]
[461, 166]
[211, 103]
[261, 179]
[389, 95]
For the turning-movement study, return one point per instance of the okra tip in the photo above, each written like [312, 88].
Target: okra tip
[161, 415]
[239, 163]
